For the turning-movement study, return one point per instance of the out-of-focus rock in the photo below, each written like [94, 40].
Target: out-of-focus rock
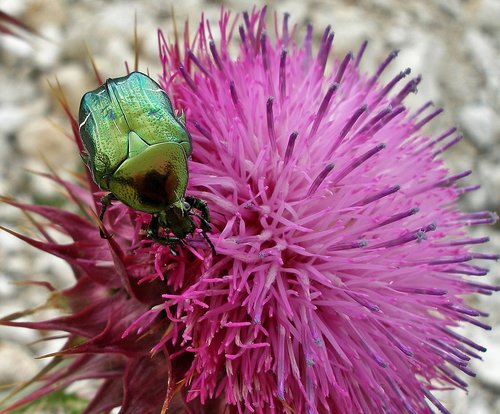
[481, 124]
[41, 139]
[74, 81]
[486, 14]
[26, 366]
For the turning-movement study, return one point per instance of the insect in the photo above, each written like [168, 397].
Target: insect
[137, 148]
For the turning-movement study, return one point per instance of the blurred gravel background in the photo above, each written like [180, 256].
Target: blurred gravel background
[454, 44]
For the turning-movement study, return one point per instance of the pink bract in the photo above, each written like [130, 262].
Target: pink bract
[343, 260]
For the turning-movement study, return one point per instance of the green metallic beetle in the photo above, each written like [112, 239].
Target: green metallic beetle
[137, 148]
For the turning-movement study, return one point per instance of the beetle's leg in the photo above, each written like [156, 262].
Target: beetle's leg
[153, 234]
[204, 233]
[105, 202]
[207, 239]
[202, 206]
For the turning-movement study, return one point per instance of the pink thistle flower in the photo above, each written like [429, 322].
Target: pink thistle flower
[342, 254]
[342, 262]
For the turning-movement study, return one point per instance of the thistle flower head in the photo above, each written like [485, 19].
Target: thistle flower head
[342, 258]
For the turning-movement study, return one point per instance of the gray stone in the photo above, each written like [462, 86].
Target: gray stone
[485, 369]
[489, 178]
[484, 58]
[14, 8]
[46, 50]
[16, 335]
[25, 365]
[481, 124]
[74, 81]
[43, 141]
[15, 48]
[486, 13]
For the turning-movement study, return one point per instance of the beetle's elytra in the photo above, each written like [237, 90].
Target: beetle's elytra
[137, 148]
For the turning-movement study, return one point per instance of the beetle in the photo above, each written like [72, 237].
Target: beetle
[136, 147]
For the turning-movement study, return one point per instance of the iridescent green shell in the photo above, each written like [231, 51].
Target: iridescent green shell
[135, 145]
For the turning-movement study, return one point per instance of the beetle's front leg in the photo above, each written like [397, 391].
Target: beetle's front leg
[202, 206]
[105, 202]
[153, 234]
